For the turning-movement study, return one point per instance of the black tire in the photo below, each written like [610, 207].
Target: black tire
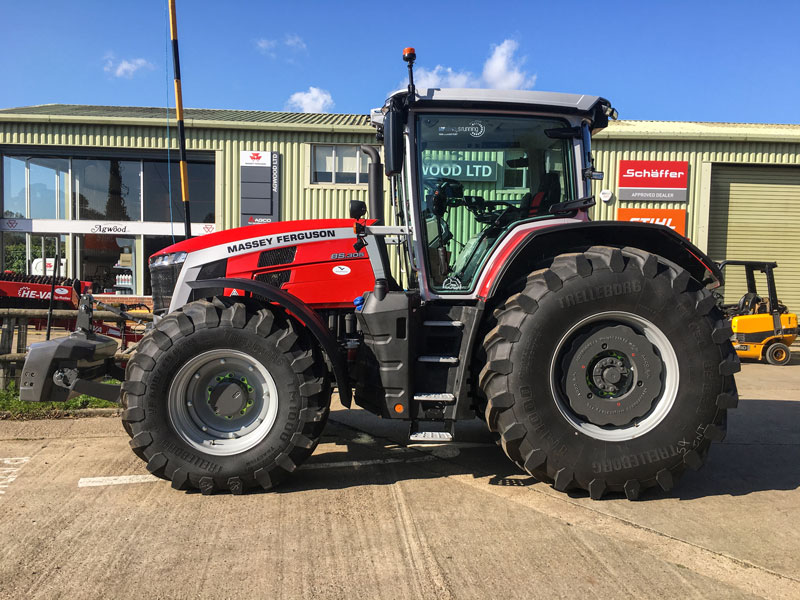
[778, 353]
[288, 380]
[537, 344]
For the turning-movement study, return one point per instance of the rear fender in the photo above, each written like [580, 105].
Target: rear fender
[535, 250]
[299, 311]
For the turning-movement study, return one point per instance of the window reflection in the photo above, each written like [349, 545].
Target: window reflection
[157, 180]
[48, 178]
[13, 187]
[107, 190]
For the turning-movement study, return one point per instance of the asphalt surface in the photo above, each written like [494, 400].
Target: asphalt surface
[367, 517]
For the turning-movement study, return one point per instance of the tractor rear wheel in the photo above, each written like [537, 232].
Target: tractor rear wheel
[224, 396]
[611, 371]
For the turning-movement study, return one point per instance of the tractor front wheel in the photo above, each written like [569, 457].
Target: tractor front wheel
[611, 371]
[221, 396]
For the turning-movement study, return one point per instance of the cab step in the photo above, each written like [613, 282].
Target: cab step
[445, 398]
[447, 360]
[444, 432]
[458, 324]
[431, 437]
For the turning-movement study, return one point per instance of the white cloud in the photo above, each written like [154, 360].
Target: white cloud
[266, 46]
[444, 77]
[124, 68]
[294, 41]
[314, 100]
[502, 70]
[270, 47]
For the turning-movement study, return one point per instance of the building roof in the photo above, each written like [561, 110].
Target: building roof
[256, 119]
[690, 130]
[193, 117]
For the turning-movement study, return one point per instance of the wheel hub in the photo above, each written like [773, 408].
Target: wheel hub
[223, 401]
[613, 375]
[230, 396]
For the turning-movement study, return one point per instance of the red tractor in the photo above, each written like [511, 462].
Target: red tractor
[593, 350]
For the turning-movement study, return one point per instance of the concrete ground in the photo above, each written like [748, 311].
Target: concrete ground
[369, 518]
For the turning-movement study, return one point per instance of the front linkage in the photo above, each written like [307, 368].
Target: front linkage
[56, 369]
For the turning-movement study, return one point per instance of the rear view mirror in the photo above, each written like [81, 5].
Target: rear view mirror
[393, 142]
[358, 208]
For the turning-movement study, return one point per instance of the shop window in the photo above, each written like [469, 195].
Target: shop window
[339, 163]
[157, 179]
[14, 187]
[109, 262]
[43, 254]
[14, 253]
[48, 187]
[107, 190]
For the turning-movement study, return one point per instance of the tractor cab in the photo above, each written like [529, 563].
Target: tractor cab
[467, 167]
[763, 327]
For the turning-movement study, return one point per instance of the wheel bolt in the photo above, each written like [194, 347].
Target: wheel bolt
[204, 428]
[604, 346]
[590, 396]
[639, 383]
[188, 404]
[197, 375]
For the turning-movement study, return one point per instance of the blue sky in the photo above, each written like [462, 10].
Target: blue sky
[694, 61]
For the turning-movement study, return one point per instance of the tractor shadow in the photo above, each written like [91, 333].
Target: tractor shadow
[761, 453]
[351, 458]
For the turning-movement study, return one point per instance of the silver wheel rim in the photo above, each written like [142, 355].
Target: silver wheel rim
[670, 378]
[191, 411]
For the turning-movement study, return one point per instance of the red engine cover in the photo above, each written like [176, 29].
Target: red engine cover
[314, 260]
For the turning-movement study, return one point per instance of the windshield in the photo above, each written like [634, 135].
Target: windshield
[478, 176]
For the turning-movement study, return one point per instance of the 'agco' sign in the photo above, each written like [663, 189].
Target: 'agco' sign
[463, 170]
[653, 180]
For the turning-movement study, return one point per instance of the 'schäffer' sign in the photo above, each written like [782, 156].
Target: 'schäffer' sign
[653, 180]
[673, 218]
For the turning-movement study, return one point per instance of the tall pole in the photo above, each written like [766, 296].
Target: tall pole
[173, 29]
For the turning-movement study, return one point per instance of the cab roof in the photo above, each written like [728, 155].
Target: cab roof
[589, 106]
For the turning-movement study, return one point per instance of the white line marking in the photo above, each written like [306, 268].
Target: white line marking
[354, 464]
[9, 469]
[118, 480]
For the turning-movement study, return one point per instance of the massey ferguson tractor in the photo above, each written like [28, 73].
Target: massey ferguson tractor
[594, 351]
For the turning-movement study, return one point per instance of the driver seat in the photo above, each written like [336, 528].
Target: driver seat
[549, 193]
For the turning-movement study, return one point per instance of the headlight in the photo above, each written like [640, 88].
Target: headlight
[163, 260]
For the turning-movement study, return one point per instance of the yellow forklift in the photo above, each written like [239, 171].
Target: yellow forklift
[763, 328]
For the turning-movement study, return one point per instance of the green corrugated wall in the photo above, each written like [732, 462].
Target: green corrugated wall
[608, 153]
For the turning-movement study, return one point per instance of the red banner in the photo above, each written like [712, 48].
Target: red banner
[669, 174]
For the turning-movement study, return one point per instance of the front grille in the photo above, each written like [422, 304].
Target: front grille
[276, 278]
[278, 256]
[162, 281]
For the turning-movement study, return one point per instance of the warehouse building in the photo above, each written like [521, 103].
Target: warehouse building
[104, 181]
